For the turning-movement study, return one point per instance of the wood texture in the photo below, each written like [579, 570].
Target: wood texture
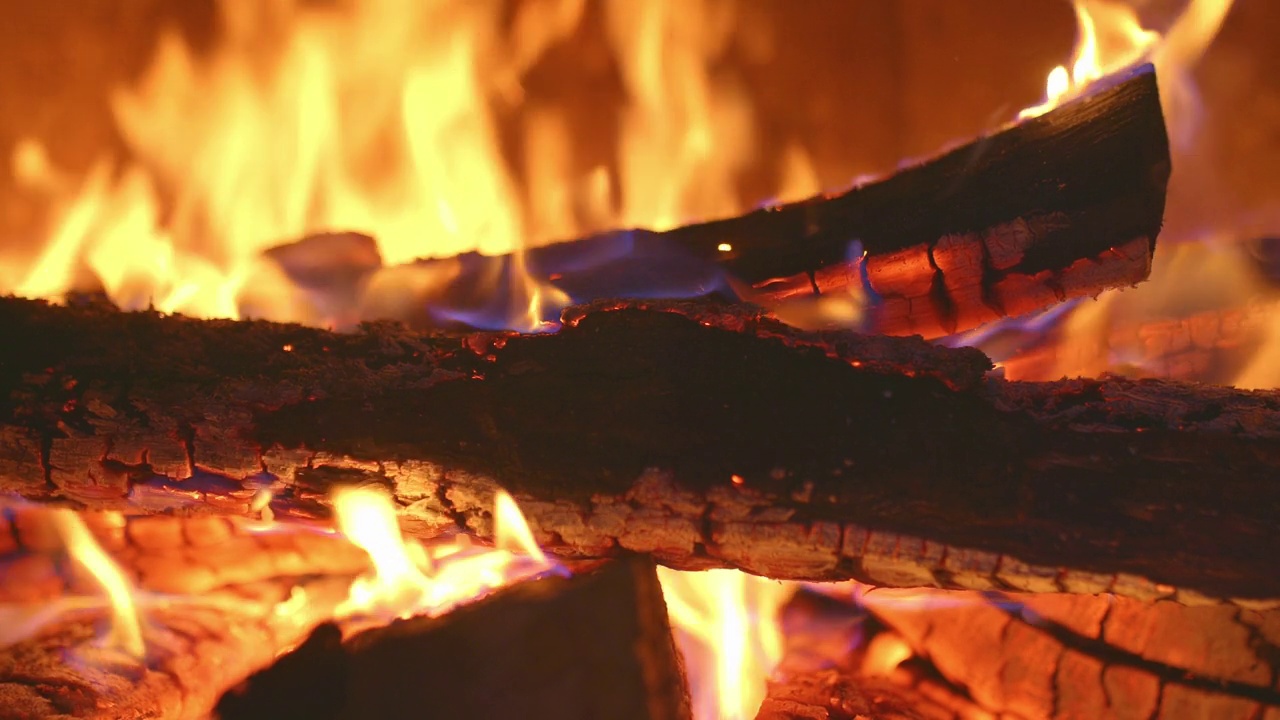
[592, 646]
[707, 435]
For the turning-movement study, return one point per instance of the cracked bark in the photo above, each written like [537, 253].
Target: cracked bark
[708, 436]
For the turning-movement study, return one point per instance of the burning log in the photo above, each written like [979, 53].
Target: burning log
[1060, 206]
[1097, 656]
[165, 554]
[195, 649]
[596, 645]
[219, 600]
[708, 436]
[947, 654]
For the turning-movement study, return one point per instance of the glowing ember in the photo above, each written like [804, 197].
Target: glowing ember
[412, 579]
[727, 625]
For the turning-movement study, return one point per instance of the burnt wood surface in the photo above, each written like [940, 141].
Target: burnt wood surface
[707, 435]
[1063, 205]
[591, 646]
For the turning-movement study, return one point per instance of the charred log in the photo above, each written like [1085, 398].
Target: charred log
[708, 436]
[1064, 205]
[596, 645]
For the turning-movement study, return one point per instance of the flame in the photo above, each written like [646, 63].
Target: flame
[412, 579]
[126, 630]
[1110, 38]
[727, 625]
[385, 117]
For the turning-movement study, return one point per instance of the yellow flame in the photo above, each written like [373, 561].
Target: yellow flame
[382, 117]
[411, 579]
[126, 630]
[1110, 38]
[511, 531]
[727, 623]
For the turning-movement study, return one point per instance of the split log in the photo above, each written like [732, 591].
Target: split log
[1060, 206]
[591, 646]
[1067, 656]
[708, 436]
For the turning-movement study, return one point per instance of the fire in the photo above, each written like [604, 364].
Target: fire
[384, 117]
[126, 629]
[1111, 37]
[413, 579]
[727, 625]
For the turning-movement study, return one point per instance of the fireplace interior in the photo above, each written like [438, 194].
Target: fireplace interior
[597, 359]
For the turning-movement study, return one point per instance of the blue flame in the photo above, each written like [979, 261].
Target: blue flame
[490, 292]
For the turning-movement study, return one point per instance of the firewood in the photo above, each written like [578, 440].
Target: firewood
[165, 554]
[207, 589]
[1096, 656]
[710, 436]
[196, 647]
[1064, 205]
[591, 646]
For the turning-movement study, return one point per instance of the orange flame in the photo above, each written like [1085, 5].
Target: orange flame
[383, 117]
[728, 629]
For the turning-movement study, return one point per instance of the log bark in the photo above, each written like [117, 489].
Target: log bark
[592, 646]
[1064, 205]
[708, 436]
